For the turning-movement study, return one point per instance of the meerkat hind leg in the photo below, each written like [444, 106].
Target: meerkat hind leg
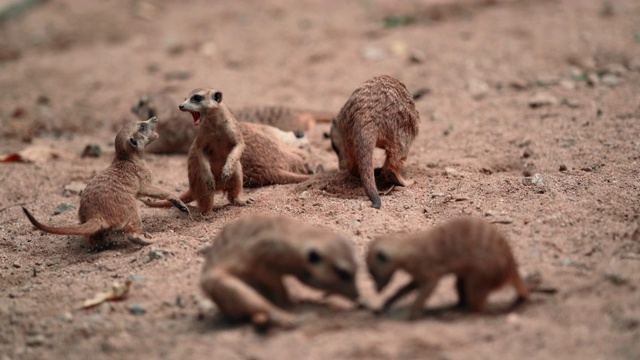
[133, 232]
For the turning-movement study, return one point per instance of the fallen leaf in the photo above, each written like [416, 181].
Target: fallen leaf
[36, 154]
[117, 292]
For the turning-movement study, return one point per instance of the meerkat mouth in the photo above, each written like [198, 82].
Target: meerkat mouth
[196, 118]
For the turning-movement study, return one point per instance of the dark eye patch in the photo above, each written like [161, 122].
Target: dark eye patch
[382, 257]
[343, 274]
[143, 127]
[197, 98]
[314, 257]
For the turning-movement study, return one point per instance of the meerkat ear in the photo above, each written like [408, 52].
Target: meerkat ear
[381, 256]
[217, 96]
[134, 142]
[314, 257]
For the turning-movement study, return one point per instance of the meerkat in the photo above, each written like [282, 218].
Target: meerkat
[109, 200]
[380, 113]
[176, 129]
[220, 160]
[470, 248]
[178, 134]
[244, 268]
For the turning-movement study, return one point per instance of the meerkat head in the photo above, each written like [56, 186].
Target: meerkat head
[329, 265]
[199, 101]
[135, 136]
[144, 108]
[336, 144]
[382, 261]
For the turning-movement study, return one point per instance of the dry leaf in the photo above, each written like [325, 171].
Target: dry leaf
[117, 292]
[36, 154]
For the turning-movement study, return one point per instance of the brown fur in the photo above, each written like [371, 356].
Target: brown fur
[380, 113]
[109, 200]
[178, 133]
[214, 158]
[268, 159]
[244, 268]
[470, 248]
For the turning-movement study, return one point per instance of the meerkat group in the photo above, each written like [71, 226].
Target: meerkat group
[245, 265]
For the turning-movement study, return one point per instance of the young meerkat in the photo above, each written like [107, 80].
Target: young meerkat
[109, 201]
[288, 124]
[244, 268]
[470, 248]
[380, 113]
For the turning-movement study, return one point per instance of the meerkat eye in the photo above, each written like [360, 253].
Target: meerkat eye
[313, 257]
[197, 98]
[343, 274]
[143, 127]
[382, 257]
[217, 96]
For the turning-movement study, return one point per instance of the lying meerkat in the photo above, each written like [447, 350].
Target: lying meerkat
[244, 268]
[109, 200]
[178, 134]
[470, 248]
[380, 113]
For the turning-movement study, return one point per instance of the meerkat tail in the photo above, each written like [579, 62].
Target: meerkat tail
[90, 227]
[186, 198]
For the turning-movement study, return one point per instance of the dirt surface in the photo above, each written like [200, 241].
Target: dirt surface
[511, 89]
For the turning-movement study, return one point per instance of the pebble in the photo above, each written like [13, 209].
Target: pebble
[74, 187]
[157, 254]
[373, 53]
[477, 88]
[137, 309]
[36, 340]
[17, 265]
[535, 180]
[417, 57]
[610, 80]
[562, 167]
[66, 317]
[542, 99]
[62, 208]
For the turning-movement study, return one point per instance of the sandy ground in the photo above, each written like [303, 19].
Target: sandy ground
[513, 89]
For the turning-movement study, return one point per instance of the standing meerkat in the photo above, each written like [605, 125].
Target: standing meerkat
[244, 268]
[380, 113]
[109, 201]
[470, 248]
[178, 134]
[219, 160]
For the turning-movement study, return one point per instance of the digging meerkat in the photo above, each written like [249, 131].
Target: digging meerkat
[109, 201]
[178, 134]
[470, 248]
[244, 268]
[380, 113]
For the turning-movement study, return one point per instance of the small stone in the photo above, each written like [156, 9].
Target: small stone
[568, 84]
[36, 340]
[542, 99]
[616, 279]
[180, 301]
[63, 208]
[178, 75]
[527, 153]
[74, 187]
[610, 80]
[373, 53]
[417, 57]
[303, 195]
[205, 306]
[157, 254]
[137, 309]
[477, 88]
[66, 317]
[432, 165]
[562, 167]
[17, 265]
[535, 180]
[451, 172]
[92, 150]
